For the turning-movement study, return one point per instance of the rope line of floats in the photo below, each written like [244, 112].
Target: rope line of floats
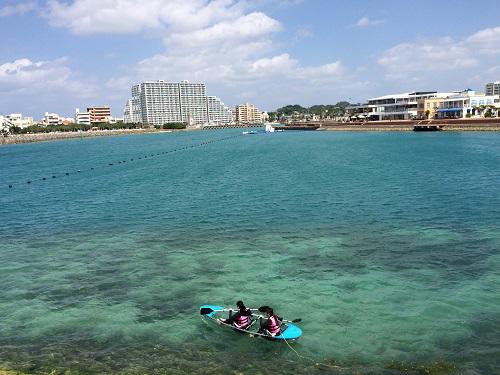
[119, 162]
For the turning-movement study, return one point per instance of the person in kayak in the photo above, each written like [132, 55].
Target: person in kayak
[240, 319]
[272, 324]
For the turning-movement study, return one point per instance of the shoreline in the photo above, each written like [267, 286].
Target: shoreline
[47, 137]
[361, 128]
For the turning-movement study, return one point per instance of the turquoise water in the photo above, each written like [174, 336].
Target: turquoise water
[385, 244]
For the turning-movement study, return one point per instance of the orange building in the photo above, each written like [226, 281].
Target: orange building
[99, 114]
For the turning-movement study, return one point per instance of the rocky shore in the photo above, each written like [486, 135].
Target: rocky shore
[42, 137]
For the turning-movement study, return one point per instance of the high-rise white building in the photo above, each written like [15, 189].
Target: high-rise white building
[218, 113]
[160, 102]
[492, 88]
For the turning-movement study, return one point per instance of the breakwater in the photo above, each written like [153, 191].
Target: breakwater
[42, 137]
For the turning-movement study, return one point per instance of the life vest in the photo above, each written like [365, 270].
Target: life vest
[242, 321]
[273, 325]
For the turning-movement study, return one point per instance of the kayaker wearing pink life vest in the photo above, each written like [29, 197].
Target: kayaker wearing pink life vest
[272, 325]
[240, 319]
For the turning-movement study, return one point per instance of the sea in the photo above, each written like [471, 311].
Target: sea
[385, 244]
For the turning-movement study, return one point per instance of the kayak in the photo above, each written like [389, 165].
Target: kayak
[217, 314]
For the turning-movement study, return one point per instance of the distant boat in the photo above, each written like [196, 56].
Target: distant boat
[249, 132]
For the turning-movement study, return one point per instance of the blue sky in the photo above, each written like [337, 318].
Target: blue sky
[57, 55]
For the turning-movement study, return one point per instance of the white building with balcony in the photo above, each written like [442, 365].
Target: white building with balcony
[467, 103]
[18, 120]
[51, 119]
[82, 117]
[399, 106]
[218, 113]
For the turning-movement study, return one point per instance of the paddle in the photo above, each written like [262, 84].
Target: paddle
[208, 310]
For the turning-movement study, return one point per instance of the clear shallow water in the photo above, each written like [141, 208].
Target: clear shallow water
[385, 244]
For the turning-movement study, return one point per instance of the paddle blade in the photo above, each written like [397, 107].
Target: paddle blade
[206, 311]
[297, 320]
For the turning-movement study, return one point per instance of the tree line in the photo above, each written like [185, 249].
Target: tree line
[322, 110]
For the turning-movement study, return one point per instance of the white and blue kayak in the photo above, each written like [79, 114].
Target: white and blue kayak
[217, 314]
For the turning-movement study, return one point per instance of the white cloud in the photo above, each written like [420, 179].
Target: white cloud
[23, 73]
[25, 78]
[486, 41]
[412, 59]
[227, 44]
[367, 22]
[245, 27]
[276, 65]
[132, 16]
[19, 8]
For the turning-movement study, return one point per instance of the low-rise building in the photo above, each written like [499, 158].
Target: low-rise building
[82, 117]
[18, 120]
[467, 103]
[427, 108]
[400, 106]
[51, 119]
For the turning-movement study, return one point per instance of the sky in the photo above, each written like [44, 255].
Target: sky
[58, 55]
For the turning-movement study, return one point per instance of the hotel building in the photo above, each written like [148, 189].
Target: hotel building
[160, 102]
[248, 114]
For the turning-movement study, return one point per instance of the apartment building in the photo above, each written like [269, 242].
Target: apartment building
[51, 119]
[99, 114]
[161, 102]
[18, 120]
[248, 114]
[492, 88]
[82, 117]
[218, 113]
